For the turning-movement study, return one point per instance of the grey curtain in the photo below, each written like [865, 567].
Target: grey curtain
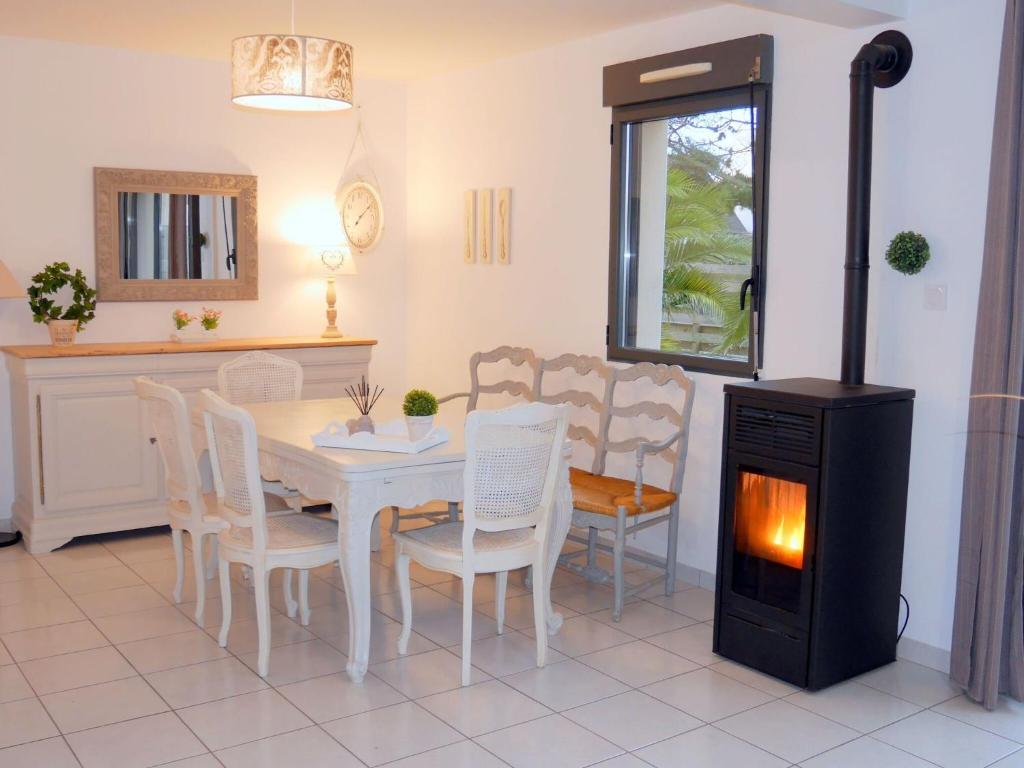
[988, 625]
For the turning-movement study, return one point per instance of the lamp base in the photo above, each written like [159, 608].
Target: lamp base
[9, 538]
[331, 332]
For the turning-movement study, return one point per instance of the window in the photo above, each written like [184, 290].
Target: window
[688, 212]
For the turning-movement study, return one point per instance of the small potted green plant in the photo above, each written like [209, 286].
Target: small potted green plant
[419, 408]
[63, 324]
[908, 253]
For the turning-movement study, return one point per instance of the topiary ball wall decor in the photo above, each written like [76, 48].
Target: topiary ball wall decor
[908, 253]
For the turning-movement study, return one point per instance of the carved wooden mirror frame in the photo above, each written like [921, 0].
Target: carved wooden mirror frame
[110, 286]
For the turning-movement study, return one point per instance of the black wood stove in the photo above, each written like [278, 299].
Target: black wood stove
[814, 477]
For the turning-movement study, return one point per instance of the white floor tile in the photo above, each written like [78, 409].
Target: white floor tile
[243, 608]
[24, 720]
[76, 670]
[632, 720]
[707, 695]
[14, 592]
[156, 654]
[436, 617]
[693, 643]
[207, 681]
[202, 761]
[698, 604]
[583, 597]
[142, 549]
[77, 558]
[114, 577]
[123, 600]
[13, 685]
[243, 637]
[330, 624]
[425, 673]
[140, 625]
[391, 733]
[643, 619]
[482, 708]
[1016, 760]
[506, 654]
[38, 613]
[240, 719]
[856, 706]
[787, 731]
[50, 641]
[102, 704]
[483, 590]
[335, 696]
[912, 682]
[864, 752]
[464, 754]
[299, 661]
[5, 657]
[565, 685]
[580, 635]
[309, 748]
[519, 611]
[753, 678]
[136, 743]
[946, 742]
[20, 569]
[1006, 720]
[551, 742]
[708, 747]
[638, 663]
[48, 753]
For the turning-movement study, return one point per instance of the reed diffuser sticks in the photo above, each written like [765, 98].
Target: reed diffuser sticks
[362, 397]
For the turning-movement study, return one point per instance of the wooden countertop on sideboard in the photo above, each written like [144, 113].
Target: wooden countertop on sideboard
[113, 349]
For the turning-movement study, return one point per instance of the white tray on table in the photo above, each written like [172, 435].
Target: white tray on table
[390, 437]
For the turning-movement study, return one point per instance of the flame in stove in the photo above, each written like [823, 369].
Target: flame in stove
[770, 518]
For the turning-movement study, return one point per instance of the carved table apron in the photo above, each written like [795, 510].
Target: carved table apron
[361, 483]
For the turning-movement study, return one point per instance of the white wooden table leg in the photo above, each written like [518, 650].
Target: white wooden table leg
[355, 523]
[561, 521]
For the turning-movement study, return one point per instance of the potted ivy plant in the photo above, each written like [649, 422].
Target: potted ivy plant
[63, 323]
[419, 408]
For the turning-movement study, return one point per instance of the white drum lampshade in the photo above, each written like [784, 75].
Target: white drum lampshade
[291, 72]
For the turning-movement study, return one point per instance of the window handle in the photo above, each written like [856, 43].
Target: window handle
[750, 284]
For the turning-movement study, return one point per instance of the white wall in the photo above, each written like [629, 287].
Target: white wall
[535, 123]
[69, 108]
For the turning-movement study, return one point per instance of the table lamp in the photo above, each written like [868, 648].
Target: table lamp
[334, 261]
[9, 289]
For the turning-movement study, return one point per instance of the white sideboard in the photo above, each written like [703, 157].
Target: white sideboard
[83, 460]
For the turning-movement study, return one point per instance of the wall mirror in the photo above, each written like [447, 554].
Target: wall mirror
[173, 236]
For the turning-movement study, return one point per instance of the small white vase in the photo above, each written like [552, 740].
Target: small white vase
[419, 426]
[62, 332]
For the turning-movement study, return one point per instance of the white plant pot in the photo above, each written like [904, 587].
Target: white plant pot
[194, 334]
[419, 426]
[62, 332]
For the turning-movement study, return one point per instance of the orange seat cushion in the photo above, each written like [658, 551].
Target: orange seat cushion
[604, 495]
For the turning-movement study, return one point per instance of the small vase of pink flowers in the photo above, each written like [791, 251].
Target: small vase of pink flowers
[206, 330]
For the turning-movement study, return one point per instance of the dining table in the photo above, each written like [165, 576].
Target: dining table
[360, 483]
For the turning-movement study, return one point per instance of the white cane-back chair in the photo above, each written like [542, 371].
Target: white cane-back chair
[636, 397]
[252, 538]
[503, 358]
[188, 509]
[512, 464]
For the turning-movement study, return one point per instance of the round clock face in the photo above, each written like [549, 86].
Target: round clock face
[361, 214]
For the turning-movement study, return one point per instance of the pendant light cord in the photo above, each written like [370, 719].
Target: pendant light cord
[755, 298]
[293, 18]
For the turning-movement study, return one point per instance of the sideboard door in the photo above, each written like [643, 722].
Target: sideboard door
[94, 446]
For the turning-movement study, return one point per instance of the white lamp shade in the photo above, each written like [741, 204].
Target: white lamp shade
[9, 287]
[334, 260]
[291, 72]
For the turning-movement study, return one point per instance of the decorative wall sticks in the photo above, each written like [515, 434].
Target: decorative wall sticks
[480, 240]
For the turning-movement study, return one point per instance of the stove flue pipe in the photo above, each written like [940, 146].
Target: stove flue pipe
[881, 63]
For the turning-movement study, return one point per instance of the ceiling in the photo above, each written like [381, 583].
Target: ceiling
[393, 39]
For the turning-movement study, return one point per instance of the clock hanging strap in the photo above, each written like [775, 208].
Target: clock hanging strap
[360, 136]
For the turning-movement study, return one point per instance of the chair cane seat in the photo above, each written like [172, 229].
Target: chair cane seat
[604, 495]
[446, 538]
[291, 532]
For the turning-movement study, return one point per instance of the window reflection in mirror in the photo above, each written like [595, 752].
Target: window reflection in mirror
[167, 236]
[687, 233]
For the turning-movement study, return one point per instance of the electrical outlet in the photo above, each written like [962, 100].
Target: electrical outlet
[935, 297]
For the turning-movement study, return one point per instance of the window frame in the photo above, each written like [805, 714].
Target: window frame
[668, 107]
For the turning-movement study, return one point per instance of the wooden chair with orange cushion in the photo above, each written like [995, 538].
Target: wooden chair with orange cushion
[606, 503]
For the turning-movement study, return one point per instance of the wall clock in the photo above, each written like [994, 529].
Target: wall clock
[362, 214]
